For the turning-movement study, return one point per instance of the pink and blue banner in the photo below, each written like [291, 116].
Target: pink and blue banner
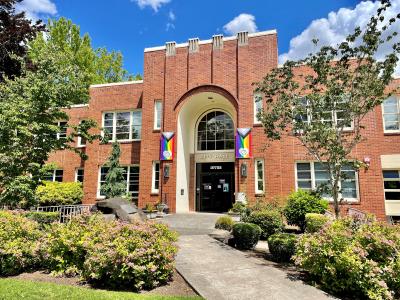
[167, 146]
[243, 143]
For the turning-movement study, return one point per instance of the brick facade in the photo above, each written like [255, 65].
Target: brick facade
[228, 72]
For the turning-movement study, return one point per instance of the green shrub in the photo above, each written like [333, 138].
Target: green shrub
[246, 235]
[59, 193]
[362, 261]
[224, 222]
[111, 254]
[315, 222]
[282, 246]
[270, 221]
[43, 217]
[301, 203]
[238, 207]
[19, 243]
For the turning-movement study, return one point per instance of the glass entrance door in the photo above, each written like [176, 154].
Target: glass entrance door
[215, 187]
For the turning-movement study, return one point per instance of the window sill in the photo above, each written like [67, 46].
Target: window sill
[156, 130]
[124, 141]
[81, 146]
[259, 195]
[154, 193]
[389, 133]
[257, 125]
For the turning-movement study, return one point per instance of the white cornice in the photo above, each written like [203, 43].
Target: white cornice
[116, 83]
[202, 42]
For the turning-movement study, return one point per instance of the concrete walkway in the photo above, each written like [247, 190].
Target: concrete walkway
[218, 271]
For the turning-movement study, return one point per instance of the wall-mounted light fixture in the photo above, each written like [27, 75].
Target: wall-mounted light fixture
[243, 170]
[166, 171]
[367, 161]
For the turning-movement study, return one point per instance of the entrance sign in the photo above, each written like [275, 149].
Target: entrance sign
[167, 146]
[243, 143]
[214, 156]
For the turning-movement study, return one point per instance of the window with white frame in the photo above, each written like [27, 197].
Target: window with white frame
[81, 140]
[311, 175]
[157, 114]
[258, 106]
[259, 176]
[336, 116]
[62, 133]
[123, 126]
[391, 114]
[79, 173]
[55, 175]
[391, 179]
[155, 182]
[131, 175]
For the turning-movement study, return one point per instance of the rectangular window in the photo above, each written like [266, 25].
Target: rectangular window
[123, 126]
[155, 186]
[79, 173]
[157, 114]
[259, 176]
[336, 116]
[62, 134]
[81, 140]
[391, 114]
[391, 180]
[55, 175]
[131, 175]
[258, 105]
[311, 175]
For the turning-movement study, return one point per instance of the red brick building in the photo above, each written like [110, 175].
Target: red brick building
[200, 92]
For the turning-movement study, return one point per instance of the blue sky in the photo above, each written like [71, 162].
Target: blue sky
[131, 25]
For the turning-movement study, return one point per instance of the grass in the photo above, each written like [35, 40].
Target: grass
[11, 289]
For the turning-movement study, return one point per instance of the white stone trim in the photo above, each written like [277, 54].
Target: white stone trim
[79, 105]
[209, 41]
[116, 83]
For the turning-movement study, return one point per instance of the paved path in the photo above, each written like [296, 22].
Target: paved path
[218, 271]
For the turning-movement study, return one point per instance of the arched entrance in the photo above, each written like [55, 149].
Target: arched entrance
[205, 178]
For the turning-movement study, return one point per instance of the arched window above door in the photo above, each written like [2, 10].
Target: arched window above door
[215, 131]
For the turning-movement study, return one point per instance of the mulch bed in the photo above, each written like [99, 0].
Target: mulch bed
[177, 287]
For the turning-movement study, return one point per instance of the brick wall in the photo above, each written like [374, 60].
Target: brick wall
[232, 69]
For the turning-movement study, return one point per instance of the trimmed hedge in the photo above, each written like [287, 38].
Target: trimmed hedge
[224, 222]
[270, 221]
[43, 217]
[315, 222]
[246, 235]
[59, 193]
[301, 203]
[282, 246]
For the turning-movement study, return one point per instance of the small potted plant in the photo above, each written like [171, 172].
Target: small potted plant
[237, 211]
[150, 211]
[160, 208]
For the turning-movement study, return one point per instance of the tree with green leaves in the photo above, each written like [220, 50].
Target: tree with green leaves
[64, 39]
[15, 33]
[30, 107]
[323, 99]
[115, 182]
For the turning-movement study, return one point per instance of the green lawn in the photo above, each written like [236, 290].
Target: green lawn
[23, 289]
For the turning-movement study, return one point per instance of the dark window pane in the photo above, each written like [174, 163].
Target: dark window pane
[391, 174]
[393, 185]
[392, 195]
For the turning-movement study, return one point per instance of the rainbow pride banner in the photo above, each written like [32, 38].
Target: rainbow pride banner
[243, 143]
[167, 146]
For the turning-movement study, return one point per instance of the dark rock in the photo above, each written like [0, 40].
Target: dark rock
[122, 209]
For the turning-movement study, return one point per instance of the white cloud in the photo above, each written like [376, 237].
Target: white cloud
[243, 22]
[34, 9]
[171, 15]
[154, 4]
[334, 29]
